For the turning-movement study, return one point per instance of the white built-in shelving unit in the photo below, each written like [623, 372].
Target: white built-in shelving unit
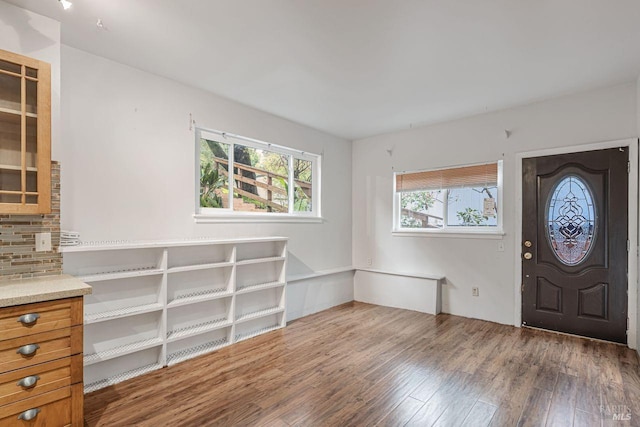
[159, 303]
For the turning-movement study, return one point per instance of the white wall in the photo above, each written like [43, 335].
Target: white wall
[599, 115]
[38, 37]
[128, 168]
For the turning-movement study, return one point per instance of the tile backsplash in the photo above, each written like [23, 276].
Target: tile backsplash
[18, 256]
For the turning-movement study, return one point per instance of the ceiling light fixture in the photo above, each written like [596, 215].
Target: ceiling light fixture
[66, 4]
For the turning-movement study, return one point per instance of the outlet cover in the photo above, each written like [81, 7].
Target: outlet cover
[500, 246]
[475, 292]
[43, 242]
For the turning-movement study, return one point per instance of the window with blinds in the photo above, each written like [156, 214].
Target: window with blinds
[464, 198]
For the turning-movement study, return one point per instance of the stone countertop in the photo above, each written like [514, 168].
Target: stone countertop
[46, 288]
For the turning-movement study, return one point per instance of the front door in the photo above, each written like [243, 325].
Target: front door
[574, 243]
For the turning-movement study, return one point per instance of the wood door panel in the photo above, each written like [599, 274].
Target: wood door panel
[549, 296]
[593, 301]
[576, 282]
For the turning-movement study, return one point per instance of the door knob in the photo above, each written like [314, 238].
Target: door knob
[527, 243]
[527, 255]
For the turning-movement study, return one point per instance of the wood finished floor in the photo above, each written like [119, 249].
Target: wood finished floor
[363, 365]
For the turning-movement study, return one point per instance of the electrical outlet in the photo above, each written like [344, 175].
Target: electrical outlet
[500, 246]
[369, 262]
[475, 292]
[43, 242]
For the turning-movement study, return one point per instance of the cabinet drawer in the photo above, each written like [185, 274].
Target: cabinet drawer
[50, 409]
[31, 319]
[45, 377]
[41, 348]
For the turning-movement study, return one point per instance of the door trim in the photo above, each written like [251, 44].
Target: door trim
[632, 304]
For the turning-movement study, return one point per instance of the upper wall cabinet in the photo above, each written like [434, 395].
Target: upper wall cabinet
[25, 135]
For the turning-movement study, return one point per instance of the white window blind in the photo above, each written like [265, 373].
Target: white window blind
[485, 175]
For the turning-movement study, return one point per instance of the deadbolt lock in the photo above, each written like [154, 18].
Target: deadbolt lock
[527, 243]
[527, 255]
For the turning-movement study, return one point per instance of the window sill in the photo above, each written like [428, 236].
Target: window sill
[254, 218]
[467, 234]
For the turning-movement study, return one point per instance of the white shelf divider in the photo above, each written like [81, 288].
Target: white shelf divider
[258, 287]
[90, 359]
[263, 266]
[260, 260]
[182, 355]
[199, 296]
[246, 336]
[258, 314]
[106, 382]
[121, 312]
[199, 267]
[151, 271]
[200, 328]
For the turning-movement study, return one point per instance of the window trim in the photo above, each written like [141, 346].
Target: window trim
[496, 231]
[208, 215]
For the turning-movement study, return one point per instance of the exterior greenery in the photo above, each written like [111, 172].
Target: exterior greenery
[416, 209]
[261, 178]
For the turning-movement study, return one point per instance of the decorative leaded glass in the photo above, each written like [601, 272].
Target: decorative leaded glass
[571, 220]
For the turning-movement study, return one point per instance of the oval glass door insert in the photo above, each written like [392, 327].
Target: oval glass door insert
[571, 220]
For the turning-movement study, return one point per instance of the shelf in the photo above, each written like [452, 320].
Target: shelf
[185, 298]
[119, 245]
[97, 385]
[201, 328]
[125, 274]
[438, 277]
[16, 112]
[260, 260]
[246, 336]
[121, 312]
[182, 355]
[199, 296]
[258, 287]
[122, 350]
[199, 267]
[258, 314]
[17, 168]
[321, 273]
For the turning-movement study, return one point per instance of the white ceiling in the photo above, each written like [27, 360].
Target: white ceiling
[356, 68]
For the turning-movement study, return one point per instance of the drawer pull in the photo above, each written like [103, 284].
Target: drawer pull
[28, 350]
[27, 319]
[28, 382]
[30, 414]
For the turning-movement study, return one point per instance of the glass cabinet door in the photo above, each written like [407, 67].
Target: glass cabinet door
[25, 159]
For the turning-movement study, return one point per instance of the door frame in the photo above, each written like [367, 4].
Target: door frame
[632, 304]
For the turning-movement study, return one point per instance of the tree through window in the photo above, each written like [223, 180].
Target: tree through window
[265, 178]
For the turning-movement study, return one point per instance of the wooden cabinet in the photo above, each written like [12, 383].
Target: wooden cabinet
[25, 135]
[41, 364]
[156, 304]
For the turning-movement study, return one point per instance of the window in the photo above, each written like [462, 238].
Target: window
[266, 179]
[571, 220]
[462, 199]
